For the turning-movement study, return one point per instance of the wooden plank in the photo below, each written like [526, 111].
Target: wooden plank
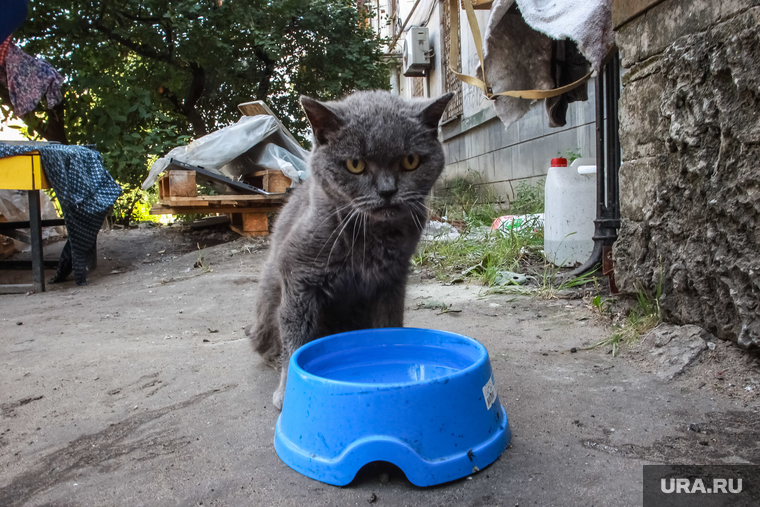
[250, 234]
[233, 197]
[181, 184]
[163, 186]
[189, 210]
[624, 11]
[257, 108]
[7, 247]
[276, 181]
[479, 4]
[254, 108]
[255, 222]
[184, 201]
[16, 288]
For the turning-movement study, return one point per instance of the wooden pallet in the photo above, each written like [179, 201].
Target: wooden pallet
[178, 194]
[7, 247]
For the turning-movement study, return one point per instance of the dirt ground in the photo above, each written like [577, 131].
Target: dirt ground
[141, 389]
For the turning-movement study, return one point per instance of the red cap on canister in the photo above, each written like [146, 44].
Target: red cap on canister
[559, 162]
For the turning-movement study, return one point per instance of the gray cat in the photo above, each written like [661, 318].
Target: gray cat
[342, 244]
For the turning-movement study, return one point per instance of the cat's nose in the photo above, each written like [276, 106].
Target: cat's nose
[387, 193]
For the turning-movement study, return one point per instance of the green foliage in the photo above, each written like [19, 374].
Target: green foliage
[188, 218]
[134, 205]
[529, 199]
[144, 76]
[467, 198]
[571, 154]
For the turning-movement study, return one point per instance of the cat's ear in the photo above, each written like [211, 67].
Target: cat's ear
[431, 115]
[324, 122]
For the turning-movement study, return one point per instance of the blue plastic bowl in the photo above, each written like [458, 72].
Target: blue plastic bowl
[421, 399]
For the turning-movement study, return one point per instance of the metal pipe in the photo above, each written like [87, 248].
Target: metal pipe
[610, 154]
[616, 130]
[608, 160]
[595, 260]
[35, 232]
[395, 39]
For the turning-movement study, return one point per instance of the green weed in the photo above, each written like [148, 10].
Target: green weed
[547, 283]
[529, 199]
[467, 198]
[481, 256]
[643, 317]
[571, 154]
[202, 262]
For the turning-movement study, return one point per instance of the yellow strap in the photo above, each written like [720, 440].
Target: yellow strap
[483, 85]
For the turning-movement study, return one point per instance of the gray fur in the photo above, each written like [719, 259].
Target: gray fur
[342, 244]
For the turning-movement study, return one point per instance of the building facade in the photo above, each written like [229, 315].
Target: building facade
[476, 143]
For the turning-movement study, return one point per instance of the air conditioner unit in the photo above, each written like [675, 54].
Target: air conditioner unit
[416, 54]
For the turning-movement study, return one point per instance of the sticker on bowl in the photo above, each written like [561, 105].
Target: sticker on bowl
[489, 393]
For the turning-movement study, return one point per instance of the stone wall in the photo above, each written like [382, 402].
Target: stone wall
[690, 179]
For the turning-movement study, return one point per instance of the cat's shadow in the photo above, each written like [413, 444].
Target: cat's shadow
[383, 473]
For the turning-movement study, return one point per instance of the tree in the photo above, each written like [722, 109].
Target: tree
[142, 76]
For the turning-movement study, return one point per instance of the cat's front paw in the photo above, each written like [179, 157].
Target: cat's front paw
[278, 397]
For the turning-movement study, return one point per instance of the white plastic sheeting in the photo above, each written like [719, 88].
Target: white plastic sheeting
[14, 206]
[252, 144]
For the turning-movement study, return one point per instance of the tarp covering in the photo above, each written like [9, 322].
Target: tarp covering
[252, 144]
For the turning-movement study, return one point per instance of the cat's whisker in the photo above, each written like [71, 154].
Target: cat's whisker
[353, 242]
[414, 220]
[421, 203]
[351, 215]
[419, 224]
[335, 212]
[346, 219]
[364, 252]
[417, 206]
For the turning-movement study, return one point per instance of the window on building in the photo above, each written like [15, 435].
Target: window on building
[450, 81]
[418, 87]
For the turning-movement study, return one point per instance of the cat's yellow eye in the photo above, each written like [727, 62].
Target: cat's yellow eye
[411, 162]
[355, 165]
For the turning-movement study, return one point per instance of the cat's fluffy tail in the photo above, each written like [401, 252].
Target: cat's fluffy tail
[264, 332]
[266, 342]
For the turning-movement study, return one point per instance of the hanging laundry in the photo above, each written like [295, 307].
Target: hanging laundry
[86, 192]
[28, 80]
[568, 66]
[542, 45]
[4, 47]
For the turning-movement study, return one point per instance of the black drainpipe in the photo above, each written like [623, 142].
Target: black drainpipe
[607, 220]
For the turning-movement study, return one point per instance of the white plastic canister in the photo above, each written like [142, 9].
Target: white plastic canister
[570, 209]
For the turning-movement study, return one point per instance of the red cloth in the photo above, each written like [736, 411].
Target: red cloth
[4, 50]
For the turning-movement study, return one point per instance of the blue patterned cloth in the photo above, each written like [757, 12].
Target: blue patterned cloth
[76, 174]
[86, 192]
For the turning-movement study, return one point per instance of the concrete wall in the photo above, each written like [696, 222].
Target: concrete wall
[690, 182]
[505, 156]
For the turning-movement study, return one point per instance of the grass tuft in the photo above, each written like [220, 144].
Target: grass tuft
[643, 317]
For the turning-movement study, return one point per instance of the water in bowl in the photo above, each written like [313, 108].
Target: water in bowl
[389, 364]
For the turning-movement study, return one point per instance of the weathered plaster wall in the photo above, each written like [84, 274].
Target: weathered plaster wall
[690, 179]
